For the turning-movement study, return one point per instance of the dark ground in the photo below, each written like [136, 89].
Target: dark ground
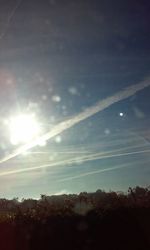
[119, 226]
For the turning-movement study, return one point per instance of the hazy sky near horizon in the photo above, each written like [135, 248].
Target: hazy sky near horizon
[57, 58]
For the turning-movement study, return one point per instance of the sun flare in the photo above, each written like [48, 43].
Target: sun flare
[23, 128]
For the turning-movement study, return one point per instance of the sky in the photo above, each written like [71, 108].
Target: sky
[59, 58]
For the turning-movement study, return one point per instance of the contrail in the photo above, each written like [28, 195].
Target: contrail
[102, 170]
[99, 106]
[91, 173]
[13, 12]
[94, 172]
[96, 156]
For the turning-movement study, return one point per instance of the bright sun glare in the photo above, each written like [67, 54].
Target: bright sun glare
[23, 128]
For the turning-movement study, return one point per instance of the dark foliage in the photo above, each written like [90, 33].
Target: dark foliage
[86, 221]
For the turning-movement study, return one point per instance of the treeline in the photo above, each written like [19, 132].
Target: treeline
[88, 221]
[75, 204]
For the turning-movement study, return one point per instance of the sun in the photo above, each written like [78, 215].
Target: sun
[23, 128]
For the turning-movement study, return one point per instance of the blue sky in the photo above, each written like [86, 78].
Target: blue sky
[58, 58]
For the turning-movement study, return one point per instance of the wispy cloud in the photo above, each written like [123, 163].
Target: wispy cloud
[64, 191]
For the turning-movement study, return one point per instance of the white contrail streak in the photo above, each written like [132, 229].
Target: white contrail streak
[102, 170]
[92, 172]
[96, 156]
[62, 126]
[13, 12]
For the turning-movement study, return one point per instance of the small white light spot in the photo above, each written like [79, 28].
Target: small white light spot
[107, 131]
[44, 97]
[121, 114]
[73, 91]
[56, 98]
[58, 139]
